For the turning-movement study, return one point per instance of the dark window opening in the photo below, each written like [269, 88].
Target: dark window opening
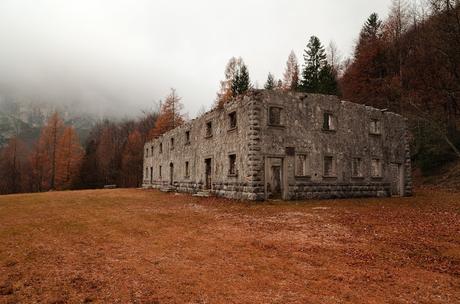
[329, 123]
[375, 127]
[159, 171]
[329, 166]
[209, 129]
[187, 137]
[187, 173]
[301, 165]
[232, 120]
[356, 167]
[274, 114]
[172, 143]
[161, 147]
[232, 164]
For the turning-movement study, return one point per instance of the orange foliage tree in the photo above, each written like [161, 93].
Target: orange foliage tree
[131, 164]
[69, 157]
[170, 115]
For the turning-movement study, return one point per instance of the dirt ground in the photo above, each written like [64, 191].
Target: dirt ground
[139, 246]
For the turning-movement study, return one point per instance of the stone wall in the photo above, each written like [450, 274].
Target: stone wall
[301, 131]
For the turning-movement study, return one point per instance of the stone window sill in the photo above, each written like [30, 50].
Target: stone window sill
[357, 177]
[277, 126]
[232, 175]
[208, 136]
[377, 177]
[329, 130]
[232, 129]
[302, 176]
[187, 177]
[330, 176]
[375, 134]
[187, 143]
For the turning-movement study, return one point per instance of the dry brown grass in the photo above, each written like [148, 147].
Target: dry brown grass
[135, 246]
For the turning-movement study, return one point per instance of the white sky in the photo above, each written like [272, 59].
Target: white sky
[120, 55]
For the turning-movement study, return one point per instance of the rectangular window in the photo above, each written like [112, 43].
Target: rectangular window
[147, 152]
[146, 172]
[376, 167]
[159, 171]
[151, 174]
[172, 143]
[329, 166]
[187, 172]
[329, 122]
[274, 116]
[356, 167]
[301, 165]
[161, 147]
[187, 137]
[232, 120]
[375, 127]
[151, 150]
[232, 164]
[209, 129]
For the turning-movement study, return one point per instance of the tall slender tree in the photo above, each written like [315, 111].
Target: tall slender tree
[291, 73]
[170, 116]
[69, 158]
[315, 60]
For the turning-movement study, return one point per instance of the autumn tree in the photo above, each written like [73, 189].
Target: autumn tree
[45, 156]
[291, 73]
[170, 115]
[131, 167]
[69, 157]
[12, 161]
[225, 93]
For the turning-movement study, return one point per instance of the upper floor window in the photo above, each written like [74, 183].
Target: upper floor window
[376, 167]
[151, 150]
[274, 116]
[161, 147]
[329, 122]
[356, 167]
[172, 143]
[232, 120]
[159, 171]
[147, 152]
[375, 127]
[232, 164]
[187, 137]
[146, 172]
[209, 129]
[301, 165]
[329, 166]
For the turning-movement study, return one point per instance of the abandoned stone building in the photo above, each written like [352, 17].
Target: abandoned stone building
[284, 145]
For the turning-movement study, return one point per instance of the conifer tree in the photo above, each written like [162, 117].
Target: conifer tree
[315, 60]
[270, 84]
[241, 82]
[170, 115]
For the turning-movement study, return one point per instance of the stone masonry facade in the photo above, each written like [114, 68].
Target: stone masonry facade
[284, 145]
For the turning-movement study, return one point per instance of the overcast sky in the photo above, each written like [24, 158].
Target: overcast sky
[122, 55]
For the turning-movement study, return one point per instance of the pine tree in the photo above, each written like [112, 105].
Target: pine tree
[315, 60]
[241, 82]
[291, 73]
[371, 29]
[328, 81]
[270, 84]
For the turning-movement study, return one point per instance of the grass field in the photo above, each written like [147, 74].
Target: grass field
[138, 246]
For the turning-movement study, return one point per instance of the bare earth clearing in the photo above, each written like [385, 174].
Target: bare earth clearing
[135, 246]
